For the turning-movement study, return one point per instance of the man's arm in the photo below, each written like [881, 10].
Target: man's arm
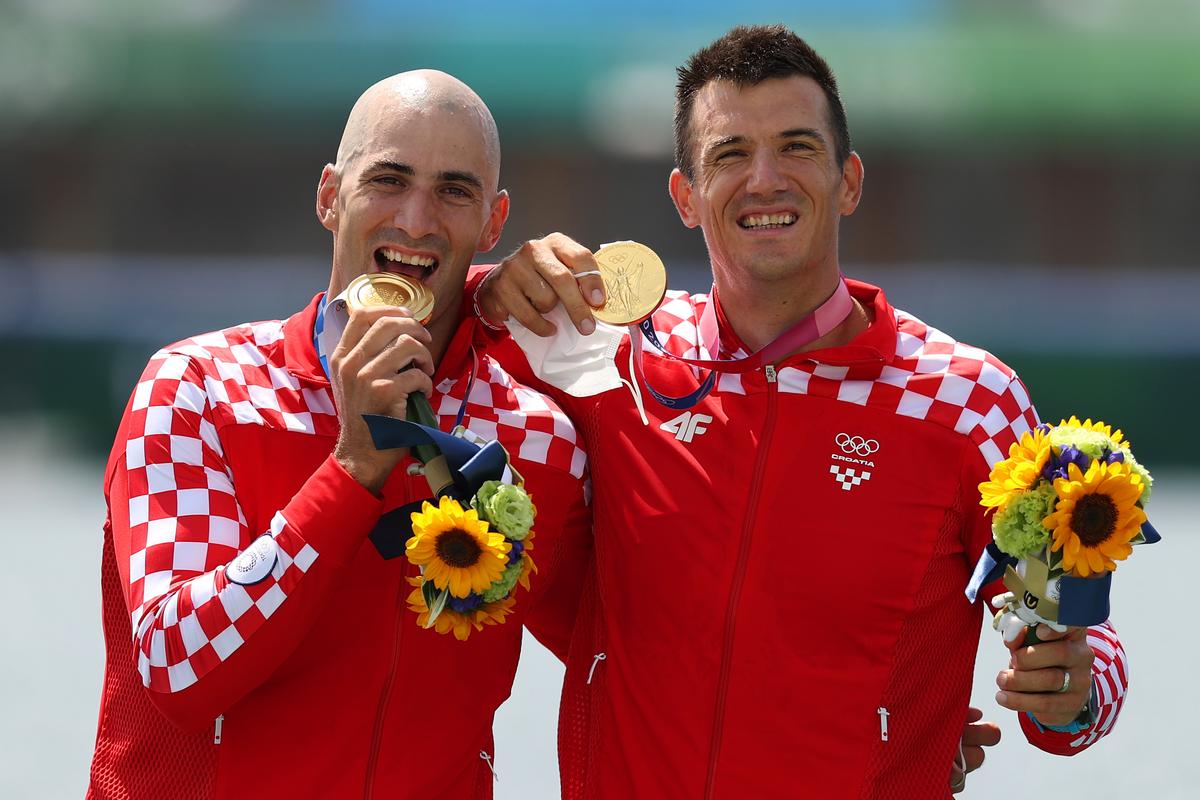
[1092, 656]
[216, 607]
[204, 639]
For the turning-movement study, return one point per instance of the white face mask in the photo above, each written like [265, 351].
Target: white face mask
[580, 365]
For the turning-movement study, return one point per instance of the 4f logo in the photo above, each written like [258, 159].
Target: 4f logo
[687, 425]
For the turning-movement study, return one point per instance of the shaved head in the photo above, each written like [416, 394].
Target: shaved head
[427, 93]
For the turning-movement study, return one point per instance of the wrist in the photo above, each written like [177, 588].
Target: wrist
[477, 307]
[370, 472]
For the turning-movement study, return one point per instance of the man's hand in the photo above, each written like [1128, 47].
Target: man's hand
[536, 278]
[1036, 675]
[370, 375]
[976, 736]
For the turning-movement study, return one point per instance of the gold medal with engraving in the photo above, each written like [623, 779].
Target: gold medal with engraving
[635, 282]
[386, 289]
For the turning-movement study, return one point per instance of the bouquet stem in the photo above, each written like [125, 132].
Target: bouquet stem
[437, 472]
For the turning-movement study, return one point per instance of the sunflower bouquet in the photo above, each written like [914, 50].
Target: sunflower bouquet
[471, 559]
[1068, 503]
[473, 539]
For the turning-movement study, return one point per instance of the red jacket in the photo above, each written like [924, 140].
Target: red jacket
[316, 681]
[778, 605]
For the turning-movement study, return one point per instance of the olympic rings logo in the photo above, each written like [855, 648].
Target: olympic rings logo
[856, 444]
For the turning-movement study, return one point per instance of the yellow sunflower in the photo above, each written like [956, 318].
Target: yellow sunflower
[458, 623]
[1017, 473]
[1097, 427]
[1096, 517]
[455, 549]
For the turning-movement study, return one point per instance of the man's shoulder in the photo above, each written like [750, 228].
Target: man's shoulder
[255, 343]
[922, 349]
[241, 376]
[530, 424]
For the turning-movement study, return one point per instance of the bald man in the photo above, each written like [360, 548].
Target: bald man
[258, 643]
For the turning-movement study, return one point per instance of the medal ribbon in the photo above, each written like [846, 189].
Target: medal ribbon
[823, 319]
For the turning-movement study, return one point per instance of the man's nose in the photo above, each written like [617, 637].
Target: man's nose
[765, 175]
[416, 215]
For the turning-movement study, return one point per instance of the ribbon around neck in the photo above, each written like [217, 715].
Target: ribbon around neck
[471, 465]
[823, 319]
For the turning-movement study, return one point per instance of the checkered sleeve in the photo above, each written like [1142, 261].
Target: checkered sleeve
[1110, 678]
[199, 583]
[995, 430]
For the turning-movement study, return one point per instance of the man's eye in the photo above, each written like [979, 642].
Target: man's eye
[728, 155]
[387, 180]
[799, 146]
[457, 191]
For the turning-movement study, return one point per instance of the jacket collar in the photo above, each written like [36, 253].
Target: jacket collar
[300, 357]
[874, 346]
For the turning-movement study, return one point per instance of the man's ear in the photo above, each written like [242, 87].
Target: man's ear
[498, 215]
[327, 191]
[852, 184]
[681, 193]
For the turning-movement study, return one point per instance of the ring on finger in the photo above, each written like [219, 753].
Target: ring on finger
[1066, 684]
[579, 275]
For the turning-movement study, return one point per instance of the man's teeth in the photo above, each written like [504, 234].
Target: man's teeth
[404, 258]
[768, 220]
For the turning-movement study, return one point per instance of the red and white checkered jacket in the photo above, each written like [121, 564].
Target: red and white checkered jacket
[315, 680]
[777, 608]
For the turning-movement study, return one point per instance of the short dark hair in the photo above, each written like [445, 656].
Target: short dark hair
[747, 56]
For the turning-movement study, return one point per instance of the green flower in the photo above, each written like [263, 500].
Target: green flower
[1018, 529]
[507, 507]
[504, 586]
[1138, 469]
[1091, 443]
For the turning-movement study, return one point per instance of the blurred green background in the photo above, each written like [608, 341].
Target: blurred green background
[1031, 170]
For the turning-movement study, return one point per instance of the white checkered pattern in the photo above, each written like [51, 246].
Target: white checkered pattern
[848, 477]
[185, 524]
[933, 378]
[1110, 672]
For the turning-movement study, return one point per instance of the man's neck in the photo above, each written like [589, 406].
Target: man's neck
[759, 313]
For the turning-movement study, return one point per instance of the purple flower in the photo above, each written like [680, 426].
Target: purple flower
[1115, 457]
[518, 548]
[464, 604]
[1056, 465]
[1044, 427]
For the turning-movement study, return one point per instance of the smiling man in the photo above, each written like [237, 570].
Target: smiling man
[258, 644]
[777, 608]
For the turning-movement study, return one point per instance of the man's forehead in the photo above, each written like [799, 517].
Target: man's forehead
[776, 105]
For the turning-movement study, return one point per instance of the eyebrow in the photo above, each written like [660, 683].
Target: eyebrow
[811, 133]
[451, 176]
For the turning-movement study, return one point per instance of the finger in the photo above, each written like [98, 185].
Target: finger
[1047, 634]
[981, 734]
[518, 307]
[573, 257]
[1035, 680]
[1050, 708]
[974, 714]
[528, 267]
[974, 757]
[361, 321]
[1066, 654]
[389, 332]
[404, 353]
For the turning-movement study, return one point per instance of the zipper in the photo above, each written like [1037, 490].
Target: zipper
[883, 715]
[385, 695]
[217, 729]
[739, 577]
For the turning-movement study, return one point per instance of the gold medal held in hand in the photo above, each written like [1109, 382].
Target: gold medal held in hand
[387, 289]
[635, 282]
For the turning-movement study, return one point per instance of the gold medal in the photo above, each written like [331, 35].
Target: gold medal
[386, 289]
[635, 282]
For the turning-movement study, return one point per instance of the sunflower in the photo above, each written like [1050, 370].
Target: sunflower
[1096, 517]
[455, 549]
[1017, 473]
[459, 623]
